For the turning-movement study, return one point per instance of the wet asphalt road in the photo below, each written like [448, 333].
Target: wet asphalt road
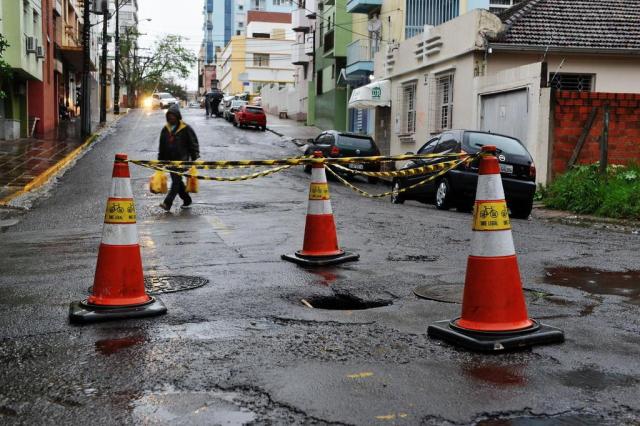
[243, 348]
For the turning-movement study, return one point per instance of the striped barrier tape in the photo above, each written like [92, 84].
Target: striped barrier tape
[219, 178]
[400, 173]
[386, 194]
[294, 161]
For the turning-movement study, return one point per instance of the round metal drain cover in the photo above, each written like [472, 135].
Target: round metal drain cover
[440, 293]
[170, 283]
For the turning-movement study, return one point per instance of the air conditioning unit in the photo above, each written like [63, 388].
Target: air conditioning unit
[31, 44]
[40, 52]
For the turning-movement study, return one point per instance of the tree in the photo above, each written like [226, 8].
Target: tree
[5, 69]
[167, 58]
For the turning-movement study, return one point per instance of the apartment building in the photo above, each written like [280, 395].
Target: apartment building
[260, 57]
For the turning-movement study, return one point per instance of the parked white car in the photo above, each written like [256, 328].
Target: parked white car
[163, 100]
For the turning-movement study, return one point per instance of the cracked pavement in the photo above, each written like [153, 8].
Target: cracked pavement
[244, 348]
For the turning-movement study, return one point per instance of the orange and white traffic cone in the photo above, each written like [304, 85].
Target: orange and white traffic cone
[320, 245]
[118, 287]
[494, 312]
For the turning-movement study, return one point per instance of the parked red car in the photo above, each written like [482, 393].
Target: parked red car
[250, 115]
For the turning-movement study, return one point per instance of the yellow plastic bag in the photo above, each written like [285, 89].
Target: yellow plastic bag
[192, 180]
[158, 183]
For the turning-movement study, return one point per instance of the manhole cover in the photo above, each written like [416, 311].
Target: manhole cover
[343, 303]
[440, 293]
[170, 283]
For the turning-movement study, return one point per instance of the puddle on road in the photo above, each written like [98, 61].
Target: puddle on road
[496, 374]
[343, 302]
[595, 380]
[563, 420]
[326, 277]
[112, 346]
[594, 281]
[190, 408]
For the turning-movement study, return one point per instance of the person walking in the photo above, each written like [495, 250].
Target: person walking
[178, 142]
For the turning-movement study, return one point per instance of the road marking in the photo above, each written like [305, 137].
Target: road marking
[218, 225]
[392, 416]
[360, 375]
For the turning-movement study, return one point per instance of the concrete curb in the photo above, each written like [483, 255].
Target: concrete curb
[48, 174]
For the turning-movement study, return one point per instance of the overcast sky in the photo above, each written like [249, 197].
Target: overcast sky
[182, 17]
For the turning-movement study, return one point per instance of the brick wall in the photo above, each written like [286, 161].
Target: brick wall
[571, 111]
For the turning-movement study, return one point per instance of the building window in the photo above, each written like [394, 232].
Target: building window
[444, 100]
[261, 35]
[260, 59]
[575, 82]
[238, 32]
[281, 2]
[240, 24]
[428, 12]
[408, 123]
[240, 7]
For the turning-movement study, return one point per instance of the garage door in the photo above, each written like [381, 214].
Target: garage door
[506, 113]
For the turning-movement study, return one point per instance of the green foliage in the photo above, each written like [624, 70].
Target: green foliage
[144, 69]
[5, 69]
[584, 190]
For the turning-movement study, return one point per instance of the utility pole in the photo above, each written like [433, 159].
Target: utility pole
[103, 63]
[85, 119]
[116, 80]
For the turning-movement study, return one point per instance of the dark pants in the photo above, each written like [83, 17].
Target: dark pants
[177, 188]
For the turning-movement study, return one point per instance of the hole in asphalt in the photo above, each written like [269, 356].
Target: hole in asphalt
[342, 302]
[567, 420]
[593, 379]
[594, 281]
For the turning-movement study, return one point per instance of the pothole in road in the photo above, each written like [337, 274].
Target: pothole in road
[565, 419]
[594, 281]
[343, 302]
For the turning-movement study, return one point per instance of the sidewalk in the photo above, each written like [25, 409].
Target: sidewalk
[28, 163]
[296, 131]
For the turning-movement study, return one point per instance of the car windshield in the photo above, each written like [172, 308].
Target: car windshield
[505, 144]
[165, 95]
[254, 110]
[353, 142]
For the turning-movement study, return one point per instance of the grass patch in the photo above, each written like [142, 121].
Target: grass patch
[584, 190]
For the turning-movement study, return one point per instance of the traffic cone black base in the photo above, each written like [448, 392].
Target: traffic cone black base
[83, 312]
[537, 334]
[303, 260]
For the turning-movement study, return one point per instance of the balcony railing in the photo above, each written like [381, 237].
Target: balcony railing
[299, 20]
[298, 55]
[359, 51]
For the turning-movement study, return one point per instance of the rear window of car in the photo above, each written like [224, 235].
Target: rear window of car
[165, 95]
[352, 142]
[254, 110]
[505, 144]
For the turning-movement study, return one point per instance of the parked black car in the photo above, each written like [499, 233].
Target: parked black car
[458, 186]
[333, 143]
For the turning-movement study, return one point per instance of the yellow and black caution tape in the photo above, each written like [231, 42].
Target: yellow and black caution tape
[219, 178]
[401, 173]
[294, 161]
[415, 185]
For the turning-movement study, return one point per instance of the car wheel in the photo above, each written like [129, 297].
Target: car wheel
[522, 210]
[444, 195]
[235, 124]
[396, 196]
[264, 128]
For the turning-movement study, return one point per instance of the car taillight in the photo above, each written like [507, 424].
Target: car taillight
[335, 151]
[532, 170]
